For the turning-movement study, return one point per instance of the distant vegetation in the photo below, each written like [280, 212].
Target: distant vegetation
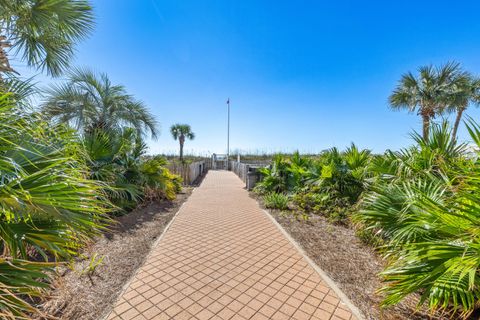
[420, 206]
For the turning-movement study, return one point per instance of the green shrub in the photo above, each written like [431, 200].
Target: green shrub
[118, 159]
[311, 201]
[425, 207]
[158, 181]
[48, 209]
[368, 237]
[276, 201]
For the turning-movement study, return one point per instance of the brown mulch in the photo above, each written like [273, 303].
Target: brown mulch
[80, 295]
[351, 264]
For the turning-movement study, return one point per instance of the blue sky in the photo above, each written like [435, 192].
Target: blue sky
[304, 75]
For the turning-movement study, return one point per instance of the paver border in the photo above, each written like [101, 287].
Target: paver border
[312, 263]
[154, 245]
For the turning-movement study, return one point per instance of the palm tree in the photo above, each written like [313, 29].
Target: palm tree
[180, 132]
[429, 93]
[468, 91]
[43, 32]
[424, 205]
[89, 102]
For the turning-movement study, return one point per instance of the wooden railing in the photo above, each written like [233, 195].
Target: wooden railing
[189, 172]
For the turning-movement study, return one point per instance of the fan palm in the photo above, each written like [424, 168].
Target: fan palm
[181, 132]
[47, 206]
[432, 236]
[43, 32]
[428, 215]
[113, 158]
[468, 92]
[429, 93]
[276, 177]
[89, 102]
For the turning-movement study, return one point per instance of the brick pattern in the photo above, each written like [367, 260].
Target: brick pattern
[223, 258]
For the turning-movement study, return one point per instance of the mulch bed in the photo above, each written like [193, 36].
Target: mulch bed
[351, 264]
[78, 295]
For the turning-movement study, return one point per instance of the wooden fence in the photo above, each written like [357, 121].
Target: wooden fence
[241, 169]
[189, 171]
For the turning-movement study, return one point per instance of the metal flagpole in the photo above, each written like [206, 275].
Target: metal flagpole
[228, 133]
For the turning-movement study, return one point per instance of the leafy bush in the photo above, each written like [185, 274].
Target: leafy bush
[48, 207]
[420, 206]
[311, 200]
[330, 183]
[276, 201]
[118, 158]
[158, 181]
[424, 205]
[275, 178]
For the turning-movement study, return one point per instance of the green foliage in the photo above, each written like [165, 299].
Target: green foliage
[58, 187]
[44, 32]
[328, 184]
[93, 263]
[424, 207]
[118, 159]
[418, 206]
[48, 206]
[311, 200]
[181, 132]
[275, 178]
[431, 92]
[90, 102]
[276, 201]
[158, 181]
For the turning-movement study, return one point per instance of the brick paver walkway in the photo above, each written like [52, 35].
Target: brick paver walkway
[224, 258]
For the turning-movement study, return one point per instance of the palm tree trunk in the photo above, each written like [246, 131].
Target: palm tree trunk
[457, 122]
[426, 126]
[181, 139]
[181, 151]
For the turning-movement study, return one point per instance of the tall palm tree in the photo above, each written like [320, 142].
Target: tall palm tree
[468, 92]
[180, 132]
[42, 32]
[429, 93]
[89, 101]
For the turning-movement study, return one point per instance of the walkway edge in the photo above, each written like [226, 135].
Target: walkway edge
[154, 245]
[312, 263]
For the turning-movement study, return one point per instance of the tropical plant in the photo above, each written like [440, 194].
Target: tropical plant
[21, 90]
[181, 132]
[89, 101]
[276, 201]
[429, 93]
[48, 206]
[274, 178]
[119, 160]
[330, 183]
[113, 158]
[424, 207]
[157, 180]
[311, 200]
[43, 32]
[468, 92]
[439, 155]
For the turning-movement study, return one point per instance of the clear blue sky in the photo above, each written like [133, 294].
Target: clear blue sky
[303, 75]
